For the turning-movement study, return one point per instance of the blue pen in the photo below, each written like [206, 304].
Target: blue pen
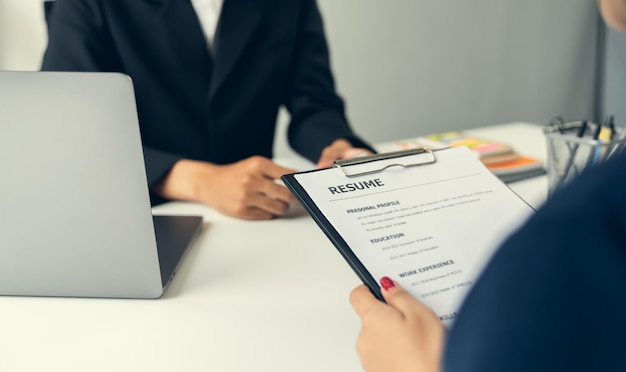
[599, 135]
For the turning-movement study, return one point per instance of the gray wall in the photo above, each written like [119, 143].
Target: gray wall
[614, 82]
[407, 67]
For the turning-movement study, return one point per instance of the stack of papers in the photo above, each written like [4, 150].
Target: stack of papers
[500, 158]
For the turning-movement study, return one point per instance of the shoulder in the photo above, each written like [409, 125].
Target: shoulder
[97, 7]
[93, 9]
[553, 283]
[286, 6]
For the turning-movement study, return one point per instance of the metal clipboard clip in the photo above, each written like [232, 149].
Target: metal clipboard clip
[387, 160]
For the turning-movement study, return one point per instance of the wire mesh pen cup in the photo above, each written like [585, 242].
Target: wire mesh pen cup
[572, 149]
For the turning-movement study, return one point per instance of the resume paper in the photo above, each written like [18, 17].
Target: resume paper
[431, 228]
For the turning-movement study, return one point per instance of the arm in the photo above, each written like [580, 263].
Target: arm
[316, 110]
[245, 189]
[77, 41]
[400, 335]
[614, 13]
[81, 39]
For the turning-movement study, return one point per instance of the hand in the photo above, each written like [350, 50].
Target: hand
[401, 335]
[245, 189]
[339, 149]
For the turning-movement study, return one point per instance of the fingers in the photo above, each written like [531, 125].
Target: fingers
[264, 166]
[338, 151]
[265, 185]
[362, 300]
[397, 297]
[333, 152]
[327, 159]
[266, 203]
[268, 168]
[275, 191]
[354, 152]
[393, 337]
[246, 189]
[400, 299]
[262, 197]
[255, 214]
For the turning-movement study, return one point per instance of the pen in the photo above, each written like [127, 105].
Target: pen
[611, 128]
[617, 140]
[596, 153]
[572, 155]
[596, 131]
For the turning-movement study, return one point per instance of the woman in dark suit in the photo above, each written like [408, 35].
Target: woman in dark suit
[209, 81]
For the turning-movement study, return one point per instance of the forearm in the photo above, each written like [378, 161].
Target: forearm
[245, 189]
[77, 39]
[158, 164]
[317, 111]
[181, 181]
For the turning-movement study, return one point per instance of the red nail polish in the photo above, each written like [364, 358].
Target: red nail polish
[387, 283]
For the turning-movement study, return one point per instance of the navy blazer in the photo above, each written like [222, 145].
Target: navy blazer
[553, 298]
[219, 106]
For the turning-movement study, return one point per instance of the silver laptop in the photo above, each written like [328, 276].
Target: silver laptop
[75, 214]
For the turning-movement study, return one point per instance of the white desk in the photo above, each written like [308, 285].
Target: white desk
[250, 296]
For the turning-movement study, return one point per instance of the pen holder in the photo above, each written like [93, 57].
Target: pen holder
[573, 147]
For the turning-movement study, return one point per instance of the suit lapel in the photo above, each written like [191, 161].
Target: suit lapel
[237, 24]
[180, 21]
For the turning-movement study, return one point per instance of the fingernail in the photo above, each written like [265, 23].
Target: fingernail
[387, 283]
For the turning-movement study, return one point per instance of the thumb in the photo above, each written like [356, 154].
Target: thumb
[397, 296]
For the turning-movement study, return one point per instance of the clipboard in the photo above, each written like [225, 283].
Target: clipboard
[422, 188]
[376, 163]
[385, 161]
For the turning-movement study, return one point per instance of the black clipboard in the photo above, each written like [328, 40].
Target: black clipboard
[345, 167]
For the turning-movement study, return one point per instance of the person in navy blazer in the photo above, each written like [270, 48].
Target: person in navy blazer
[551, 299]
[208, 111]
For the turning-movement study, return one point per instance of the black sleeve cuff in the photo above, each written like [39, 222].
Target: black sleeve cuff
[357, 142]
[158, 164]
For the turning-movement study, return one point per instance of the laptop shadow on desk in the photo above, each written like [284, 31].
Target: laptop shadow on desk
[180, 282]
[295, 211]
[176, 287]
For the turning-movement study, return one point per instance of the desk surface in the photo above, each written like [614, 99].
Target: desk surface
[249, 296]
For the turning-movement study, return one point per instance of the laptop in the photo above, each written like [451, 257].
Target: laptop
[75, 214]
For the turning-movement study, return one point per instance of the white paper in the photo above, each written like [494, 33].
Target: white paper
[431, 228]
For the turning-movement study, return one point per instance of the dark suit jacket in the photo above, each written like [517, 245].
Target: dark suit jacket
[553, 298]
[216, 106]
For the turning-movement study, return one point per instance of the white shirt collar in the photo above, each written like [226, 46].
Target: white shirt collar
[208, 12]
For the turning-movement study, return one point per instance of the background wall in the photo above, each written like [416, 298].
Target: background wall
[614, 81]
[418, 66]
[409, 67]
